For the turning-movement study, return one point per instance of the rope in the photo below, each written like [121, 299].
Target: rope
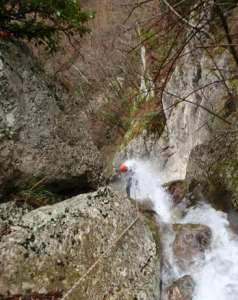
[107, 251]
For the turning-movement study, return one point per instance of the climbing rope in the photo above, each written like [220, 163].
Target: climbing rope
[105, 253]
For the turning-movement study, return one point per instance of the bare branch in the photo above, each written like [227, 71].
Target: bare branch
[196, 27]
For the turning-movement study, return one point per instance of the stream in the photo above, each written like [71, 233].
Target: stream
[215, 273]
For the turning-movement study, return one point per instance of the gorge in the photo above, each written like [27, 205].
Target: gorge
[154, 85]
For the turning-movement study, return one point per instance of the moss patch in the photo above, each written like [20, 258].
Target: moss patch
[36, 198]
[225, 173]
[154, 228]
[146, 117]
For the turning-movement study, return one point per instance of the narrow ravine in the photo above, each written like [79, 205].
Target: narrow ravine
[215, 273]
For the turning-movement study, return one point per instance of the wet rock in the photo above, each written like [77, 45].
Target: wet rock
[43, 132]
[181, 289]
[50, 248]
[177, 190]
[190, 243]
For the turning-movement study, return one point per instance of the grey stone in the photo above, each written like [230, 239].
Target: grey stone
[50, 248]
[43, 132]
[212, 171]
[181, 289]
[190, 243]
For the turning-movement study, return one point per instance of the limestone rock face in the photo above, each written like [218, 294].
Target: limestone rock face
[49, 249]
[196, 105]
[43, 133]
[190, 243]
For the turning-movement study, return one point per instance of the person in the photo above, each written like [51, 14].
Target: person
[123, 168]
[144, 205]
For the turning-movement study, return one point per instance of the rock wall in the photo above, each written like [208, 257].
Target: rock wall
[43, 131]
[199, 102]
[198, 147]
[187, 123]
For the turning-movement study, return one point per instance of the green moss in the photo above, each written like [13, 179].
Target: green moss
[36, 198]
[225, 173]
[190, 227]
[150, 37]
[152, 122]
[154, 228]
[233, 83]
[218, 51]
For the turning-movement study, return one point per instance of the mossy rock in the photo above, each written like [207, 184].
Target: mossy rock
[225, 173]
[154, 228]
[36, 198]
[212, 171]
[152, 122]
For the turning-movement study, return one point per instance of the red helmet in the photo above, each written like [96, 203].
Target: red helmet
[123, 168]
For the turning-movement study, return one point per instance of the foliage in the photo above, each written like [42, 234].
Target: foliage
[154, 121]
[36, 197]
[147, 116]
[42, 20]
[112, 120]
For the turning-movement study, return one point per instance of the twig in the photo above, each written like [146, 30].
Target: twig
[134, 8]
[227, 33]
[185, 20]
[198, 105]
[37, 183]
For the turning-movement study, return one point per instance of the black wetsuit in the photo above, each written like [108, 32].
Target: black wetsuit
[129, 182]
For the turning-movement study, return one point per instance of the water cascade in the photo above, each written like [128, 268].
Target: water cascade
[216, 273]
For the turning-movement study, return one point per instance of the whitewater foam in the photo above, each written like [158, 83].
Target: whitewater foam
[216, 275]
[146, 185]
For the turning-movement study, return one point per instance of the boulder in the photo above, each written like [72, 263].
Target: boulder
[43, 132]
[190, 243]
[181, 289]
[10, 215]
[212, 171]
[49, 249]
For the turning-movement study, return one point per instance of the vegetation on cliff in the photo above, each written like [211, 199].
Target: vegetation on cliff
[42, 20]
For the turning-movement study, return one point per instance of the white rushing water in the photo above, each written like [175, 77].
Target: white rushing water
[216, 274]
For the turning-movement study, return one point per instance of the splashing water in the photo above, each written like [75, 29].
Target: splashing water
[146, 185]
[216, 275]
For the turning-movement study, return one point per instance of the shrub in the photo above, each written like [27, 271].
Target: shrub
[42, 20]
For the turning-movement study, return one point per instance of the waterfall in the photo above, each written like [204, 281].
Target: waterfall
[146, 82]
[216, 273]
